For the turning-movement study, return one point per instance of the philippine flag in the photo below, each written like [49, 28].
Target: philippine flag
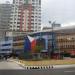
[30, 44]
[33, 43]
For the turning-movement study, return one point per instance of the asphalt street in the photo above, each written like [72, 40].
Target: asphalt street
[11, 68]
[6, 65]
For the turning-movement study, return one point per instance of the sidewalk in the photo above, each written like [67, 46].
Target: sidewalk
[45, 63]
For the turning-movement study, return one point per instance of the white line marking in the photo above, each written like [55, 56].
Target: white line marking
[69, 71]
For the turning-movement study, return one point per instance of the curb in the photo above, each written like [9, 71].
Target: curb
[31, 67]
[42, 67]
[35, 67]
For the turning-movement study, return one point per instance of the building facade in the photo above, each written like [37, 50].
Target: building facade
[62, 44]
[66, 43]
[26, 15]
[5, 12]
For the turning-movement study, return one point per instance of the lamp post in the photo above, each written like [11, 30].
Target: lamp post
[52, 42]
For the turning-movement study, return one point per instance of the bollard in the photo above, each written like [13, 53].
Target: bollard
[41, 67]
[52, 66]
[27, 67]
[49, 67]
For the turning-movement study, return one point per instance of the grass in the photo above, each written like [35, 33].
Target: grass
[48, 62]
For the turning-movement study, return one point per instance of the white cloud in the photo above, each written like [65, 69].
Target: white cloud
[68, 24]
[3, 1]
[62, 11]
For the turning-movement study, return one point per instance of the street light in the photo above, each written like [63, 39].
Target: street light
[52, 26]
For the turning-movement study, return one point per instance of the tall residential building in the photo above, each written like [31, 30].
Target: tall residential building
[5, 13]
[26, 15]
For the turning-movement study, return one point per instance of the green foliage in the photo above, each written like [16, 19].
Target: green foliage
[66, 54]
[38, 49]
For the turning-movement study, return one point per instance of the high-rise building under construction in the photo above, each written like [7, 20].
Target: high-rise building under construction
[26, 15]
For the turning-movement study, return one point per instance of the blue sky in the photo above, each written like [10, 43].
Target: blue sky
[63, 11]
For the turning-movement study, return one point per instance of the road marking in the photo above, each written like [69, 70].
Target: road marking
[69, 71]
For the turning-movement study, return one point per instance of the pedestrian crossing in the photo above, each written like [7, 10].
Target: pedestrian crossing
[32, 67]
[37, 67]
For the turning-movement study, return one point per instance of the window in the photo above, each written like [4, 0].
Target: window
[18, 22]
[14, 22]
[32, 16]
[39, 2]
[35, 23]
[11, 22]
[13, 1]
[18, 26]
[33, 0]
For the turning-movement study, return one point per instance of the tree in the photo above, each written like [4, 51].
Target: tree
[37, 49]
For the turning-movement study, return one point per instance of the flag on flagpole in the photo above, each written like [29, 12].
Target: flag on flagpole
[33, 43]
[27, 45]
[30, 44]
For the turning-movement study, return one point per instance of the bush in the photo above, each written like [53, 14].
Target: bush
[72, 56]
[38, 49]
[66, 54]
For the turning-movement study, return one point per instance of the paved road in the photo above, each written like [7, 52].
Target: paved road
[11, 68]
[6, 65]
